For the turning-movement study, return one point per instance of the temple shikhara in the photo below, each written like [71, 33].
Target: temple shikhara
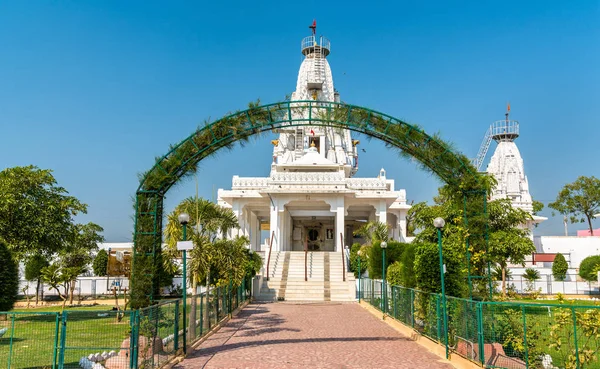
[311, 203]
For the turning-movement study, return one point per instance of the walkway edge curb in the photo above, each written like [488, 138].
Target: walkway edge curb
[455, 360]
[176, 360]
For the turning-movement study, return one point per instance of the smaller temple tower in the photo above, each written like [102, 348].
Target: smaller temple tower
[506, 165]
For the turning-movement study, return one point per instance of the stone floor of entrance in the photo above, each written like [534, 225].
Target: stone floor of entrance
[320, 335]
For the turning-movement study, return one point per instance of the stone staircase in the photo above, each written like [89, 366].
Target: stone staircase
[324, 278]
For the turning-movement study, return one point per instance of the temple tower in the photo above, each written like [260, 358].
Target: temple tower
[315, 82]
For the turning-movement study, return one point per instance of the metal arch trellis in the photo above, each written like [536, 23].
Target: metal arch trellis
[434, 154]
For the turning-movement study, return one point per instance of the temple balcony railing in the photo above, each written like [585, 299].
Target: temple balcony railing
[366, 184]
[249, 183]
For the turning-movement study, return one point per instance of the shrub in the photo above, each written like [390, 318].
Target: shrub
[409, 279]
[393, 253]
[588, 269]
[9, 278]
[394, 274]
[354, 258]
[427, 271]
[560, 267]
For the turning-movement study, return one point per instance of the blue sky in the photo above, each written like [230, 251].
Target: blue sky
[95, 90]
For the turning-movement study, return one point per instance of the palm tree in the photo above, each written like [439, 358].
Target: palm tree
[373, 232]
[208, 221]
[531, 275]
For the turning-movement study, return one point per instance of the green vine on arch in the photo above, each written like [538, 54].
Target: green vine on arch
[433, 154]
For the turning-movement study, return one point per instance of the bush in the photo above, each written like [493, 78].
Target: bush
[394, 274]
[393, 253]
[100, 263]
[427, 271]
[588, 269]
[9, 279]
[354, 258]
[560, 267]
[409, 279]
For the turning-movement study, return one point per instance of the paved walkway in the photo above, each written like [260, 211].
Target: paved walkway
[327, 335]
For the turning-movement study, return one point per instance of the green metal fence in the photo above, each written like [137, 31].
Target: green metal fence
[145, 338]
[496, 334]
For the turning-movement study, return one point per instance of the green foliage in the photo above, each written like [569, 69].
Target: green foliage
[580, 200]
[537, 207]
[562, 337]
[253, 264]
[560, 267]
[508, 324]
[394, 274]
[34, 266]
[531, 275]
[588, 269]
[9, 278]
[100, 263]
[427, 270]
[408, 277]
[35, 213]
[354, 258]
[373, 232]
[393, 253]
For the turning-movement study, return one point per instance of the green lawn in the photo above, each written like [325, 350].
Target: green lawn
[89, 330]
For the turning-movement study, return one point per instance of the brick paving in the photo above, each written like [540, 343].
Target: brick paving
[293, 336]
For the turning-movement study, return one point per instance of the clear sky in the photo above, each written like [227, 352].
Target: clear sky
[95, 90]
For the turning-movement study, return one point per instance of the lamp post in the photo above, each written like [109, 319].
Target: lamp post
[439, 224]
[359, 253]
[383, 285]
[184, 219]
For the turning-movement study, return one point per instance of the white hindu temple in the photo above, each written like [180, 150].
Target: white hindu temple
[506, 165]
[312, 202]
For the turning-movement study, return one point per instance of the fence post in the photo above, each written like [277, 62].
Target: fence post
[480, 337]
[201, 314]
[136, 337]
[55, 350]
[394, 302]
[12, 334]
[525, 336]
[412, 308]
[63, 340]
[439, 317]
[132, 338]
[575, 335]
[176, 333]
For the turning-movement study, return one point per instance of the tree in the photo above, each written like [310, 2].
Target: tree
[531, 275]
[100, 264]
[35, 213]
[207, 222]
[54, 275]
[373, 232]
[588, 269]
[580, 200]
[76, 254]
[9, 278]
[508, 241]
[33, 271]
[560, 267]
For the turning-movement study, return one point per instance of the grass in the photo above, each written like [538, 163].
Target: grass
[90, 329]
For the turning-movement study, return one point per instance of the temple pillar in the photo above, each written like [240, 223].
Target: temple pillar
[274, 226]
[340, 217]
